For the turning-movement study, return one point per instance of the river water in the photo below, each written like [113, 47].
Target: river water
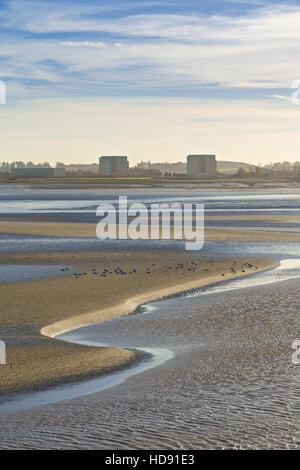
[221, 376]
[216, 369]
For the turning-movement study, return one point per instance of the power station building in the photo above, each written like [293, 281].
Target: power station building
[113, 165]
[201, 166]
[37, 172]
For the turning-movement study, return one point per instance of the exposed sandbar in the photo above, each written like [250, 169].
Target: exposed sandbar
[64, 303]
[54, 229]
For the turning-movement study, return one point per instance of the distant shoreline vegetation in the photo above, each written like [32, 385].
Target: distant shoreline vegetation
[148, 173]
[96, 179]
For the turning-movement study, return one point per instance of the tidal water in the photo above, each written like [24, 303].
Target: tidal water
[216, 366]
[227, 382]
[30, 272]
[80, 205]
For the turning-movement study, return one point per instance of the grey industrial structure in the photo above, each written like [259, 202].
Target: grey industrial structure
[201, 166]
[113, 165]
[37, 172]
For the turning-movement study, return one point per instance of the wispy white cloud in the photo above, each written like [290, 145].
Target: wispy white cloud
[68, 17]
[83, 43]
[249, 2]
[79, 52]
[282, 97]
[257, 50]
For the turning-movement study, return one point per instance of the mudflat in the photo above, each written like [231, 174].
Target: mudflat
[100, 286]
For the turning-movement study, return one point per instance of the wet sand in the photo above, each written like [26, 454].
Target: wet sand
[273, 217]
[230, 385]
[60, 304]
[46, 218]
[63, 229]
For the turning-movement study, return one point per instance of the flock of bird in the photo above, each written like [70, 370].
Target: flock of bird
[190, 266]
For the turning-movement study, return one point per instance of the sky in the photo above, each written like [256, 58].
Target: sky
[153, 80]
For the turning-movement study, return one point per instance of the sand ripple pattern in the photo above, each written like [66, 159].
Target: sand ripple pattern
[231, 383]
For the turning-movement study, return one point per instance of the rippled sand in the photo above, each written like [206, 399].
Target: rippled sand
[231, 384]
[51, 306]
[56, 229]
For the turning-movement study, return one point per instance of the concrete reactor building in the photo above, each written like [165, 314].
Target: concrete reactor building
[113, 165]
[201, 166]
[37, 172]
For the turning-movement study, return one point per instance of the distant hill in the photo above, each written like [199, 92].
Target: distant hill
[180, 167]
[224, 164]
[92, 167]
[233, 167]
[163, 167]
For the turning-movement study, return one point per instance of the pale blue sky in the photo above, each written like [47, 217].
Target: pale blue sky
[152, 79]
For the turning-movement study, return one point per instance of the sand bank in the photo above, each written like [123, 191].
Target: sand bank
[54, 229]
[255, 216]
[63, 303]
